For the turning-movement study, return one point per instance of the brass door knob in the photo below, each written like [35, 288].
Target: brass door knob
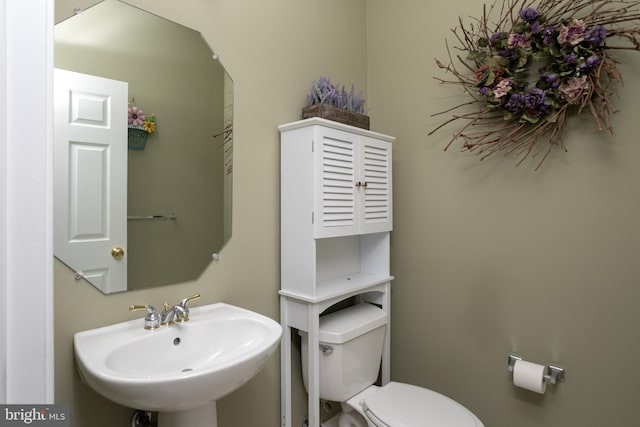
[117, 253]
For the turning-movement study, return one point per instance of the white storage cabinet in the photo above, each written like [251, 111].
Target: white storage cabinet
[336, 219]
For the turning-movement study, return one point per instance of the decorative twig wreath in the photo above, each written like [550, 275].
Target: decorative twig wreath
[529, 64]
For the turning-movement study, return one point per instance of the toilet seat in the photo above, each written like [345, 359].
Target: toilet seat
[405, 405]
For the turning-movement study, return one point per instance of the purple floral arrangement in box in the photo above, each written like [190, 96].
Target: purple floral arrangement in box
[533, 66]
[324, 92]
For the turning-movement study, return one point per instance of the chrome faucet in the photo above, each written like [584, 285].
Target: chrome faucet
[168, 316]
[170, 313]
[177, 313]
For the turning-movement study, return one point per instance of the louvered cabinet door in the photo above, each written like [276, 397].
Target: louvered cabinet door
[353, 175]
[335, 166]
[374, 188]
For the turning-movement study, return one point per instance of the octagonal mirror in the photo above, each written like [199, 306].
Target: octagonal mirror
[175, 203]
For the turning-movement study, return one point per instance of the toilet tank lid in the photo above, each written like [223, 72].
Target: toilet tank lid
[344, 325]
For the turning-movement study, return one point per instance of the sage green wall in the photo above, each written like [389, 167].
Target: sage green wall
[488, 258]
[491, 259]
[272, 50]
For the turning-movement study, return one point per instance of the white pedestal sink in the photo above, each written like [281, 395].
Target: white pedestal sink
[179, 370]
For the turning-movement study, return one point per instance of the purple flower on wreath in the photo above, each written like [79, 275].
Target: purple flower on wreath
[502, 88]
[589, 64]
[572, 33]
[536, 27]
[582, 69]
[495, 38]
[529, 14]
[508, 54]
[548, 33]
[519, 40]
[572, 58]
[596, 36]
[543, 109]
[515, 102]
[573, 88]
[534, 98]
[552, 79]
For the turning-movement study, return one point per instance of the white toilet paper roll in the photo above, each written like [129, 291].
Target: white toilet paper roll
[529, 376]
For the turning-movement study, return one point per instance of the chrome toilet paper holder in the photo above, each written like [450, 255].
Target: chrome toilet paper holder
[553, 375]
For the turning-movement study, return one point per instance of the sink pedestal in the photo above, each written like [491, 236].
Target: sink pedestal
[203, 416]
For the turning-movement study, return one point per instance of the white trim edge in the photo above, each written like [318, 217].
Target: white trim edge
[26, 201]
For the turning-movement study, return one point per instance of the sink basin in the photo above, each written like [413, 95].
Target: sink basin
[177, 367]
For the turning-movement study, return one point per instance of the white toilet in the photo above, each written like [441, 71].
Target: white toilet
[352, 342]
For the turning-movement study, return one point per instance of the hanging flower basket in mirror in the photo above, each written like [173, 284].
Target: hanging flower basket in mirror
[137, 137]
[140, 126]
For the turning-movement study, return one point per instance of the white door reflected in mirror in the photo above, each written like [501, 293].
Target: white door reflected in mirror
[90, 177]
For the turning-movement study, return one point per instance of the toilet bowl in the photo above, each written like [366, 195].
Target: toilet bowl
[405, 405]
[355, 337]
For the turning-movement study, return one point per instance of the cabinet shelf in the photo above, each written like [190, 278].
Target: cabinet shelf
[340, 288]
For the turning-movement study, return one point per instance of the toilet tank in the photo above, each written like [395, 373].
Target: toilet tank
[353, 340]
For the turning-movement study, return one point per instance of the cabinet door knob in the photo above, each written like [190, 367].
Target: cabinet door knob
[362, 184]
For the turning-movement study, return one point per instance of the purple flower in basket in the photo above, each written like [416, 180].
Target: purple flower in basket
[136, 116]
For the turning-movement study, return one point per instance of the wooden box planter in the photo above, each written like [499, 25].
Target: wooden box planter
[336, 114]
